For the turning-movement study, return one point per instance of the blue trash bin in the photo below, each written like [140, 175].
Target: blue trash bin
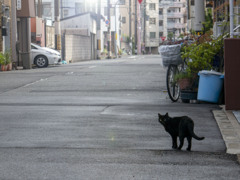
[210, 86]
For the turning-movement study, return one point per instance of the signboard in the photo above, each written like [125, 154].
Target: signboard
[19, 4]
[140, 1]
[163, 38]
[25, 9]
[107, 22]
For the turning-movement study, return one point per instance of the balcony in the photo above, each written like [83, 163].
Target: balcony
[175, 25]
[171, 4]
[175, 15]
[177, 4]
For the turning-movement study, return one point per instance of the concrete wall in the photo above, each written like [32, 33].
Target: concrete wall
[77, 48]
[79, 37]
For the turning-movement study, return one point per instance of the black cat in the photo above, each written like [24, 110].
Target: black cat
[179, 126]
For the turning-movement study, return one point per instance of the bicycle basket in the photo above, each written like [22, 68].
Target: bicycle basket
[170, 54]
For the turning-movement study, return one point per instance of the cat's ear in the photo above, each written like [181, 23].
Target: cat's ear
[166, 114]
[159, 115]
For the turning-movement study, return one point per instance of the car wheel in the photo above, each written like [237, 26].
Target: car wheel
[41, 61]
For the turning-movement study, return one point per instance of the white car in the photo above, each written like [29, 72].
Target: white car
[43, 56]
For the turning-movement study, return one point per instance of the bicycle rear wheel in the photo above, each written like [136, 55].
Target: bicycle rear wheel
[172, 87]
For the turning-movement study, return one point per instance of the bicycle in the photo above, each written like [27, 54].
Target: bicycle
[171, 58]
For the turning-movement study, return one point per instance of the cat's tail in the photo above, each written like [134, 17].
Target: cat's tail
[198, 138]
[194, 135]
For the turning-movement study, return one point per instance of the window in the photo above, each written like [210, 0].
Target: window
[123, 20]
[152, 35]
[152, 6]
[192, 3]
[160, 11]
[171, 20]
[152, 20]
[160, 34]
[47, 11]
[121, 2]
[160, 22]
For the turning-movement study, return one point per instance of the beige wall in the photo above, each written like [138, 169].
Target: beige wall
[77, 48]
[124, 12]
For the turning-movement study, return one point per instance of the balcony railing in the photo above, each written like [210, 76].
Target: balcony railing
[175, 25]
[175, 15]
[171, 4]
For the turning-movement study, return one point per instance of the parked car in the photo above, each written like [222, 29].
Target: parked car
[43, 56]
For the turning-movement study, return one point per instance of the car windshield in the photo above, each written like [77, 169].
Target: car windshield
[36, 45]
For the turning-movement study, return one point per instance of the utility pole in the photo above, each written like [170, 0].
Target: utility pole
[57, 25]
[139, 28]
[99, 30]
[130, 25]
[136, 26]
[39, 8]
[109, 31]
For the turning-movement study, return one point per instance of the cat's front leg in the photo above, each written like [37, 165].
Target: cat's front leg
[174, 142]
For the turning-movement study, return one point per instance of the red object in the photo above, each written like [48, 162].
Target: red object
[163, 38]
[140, 1]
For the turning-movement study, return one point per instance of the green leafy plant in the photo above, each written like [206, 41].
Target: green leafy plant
[182, 75]
[170, 35]
[2, 59]
[200, 56]
[120, 52]
[7, 57]
[208, 24]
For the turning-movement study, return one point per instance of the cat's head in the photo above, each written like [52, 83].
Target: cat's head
[163, 118]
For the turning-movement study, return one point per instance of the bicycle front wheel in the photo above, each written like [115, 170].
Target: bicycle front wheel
[172, 87]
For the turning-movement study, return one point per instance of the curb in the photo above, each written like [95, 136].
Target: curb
[230, 130]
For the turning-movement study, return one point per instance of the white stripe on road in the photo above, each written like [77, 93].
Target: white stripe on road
[90, 67]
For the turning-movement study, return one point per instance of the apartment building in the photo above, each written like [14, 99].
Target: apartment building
[172, 18]
[151, 37]
[221, 13]
[161, 18]
[128, 23]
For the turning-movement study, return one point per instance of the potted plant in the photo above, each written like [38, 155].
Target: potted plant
[184, 80]
[8, 60]
[3, 62]
[199, 56]
[120, 52]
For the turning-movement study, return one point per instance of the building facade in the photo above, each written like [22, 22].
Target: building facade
[221, 14]
[172, 18]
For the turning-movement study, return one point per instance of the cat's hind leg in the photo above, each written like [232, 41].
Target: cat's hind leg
[189, 138]
[181, 138]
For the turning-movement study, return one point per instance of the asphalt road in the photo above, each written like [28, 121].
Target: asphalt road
[98, 120]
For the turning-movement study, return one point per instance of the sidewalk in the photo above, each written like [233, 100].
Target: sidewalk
[228, 122]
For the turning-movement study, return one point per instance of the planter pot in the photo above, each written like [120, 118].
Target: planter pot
[9, 67]
[187, 95]
[3, 67]
[185, 83]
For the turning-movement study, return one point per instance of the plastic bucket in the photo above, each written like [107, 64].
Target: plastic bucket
[210, 86]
